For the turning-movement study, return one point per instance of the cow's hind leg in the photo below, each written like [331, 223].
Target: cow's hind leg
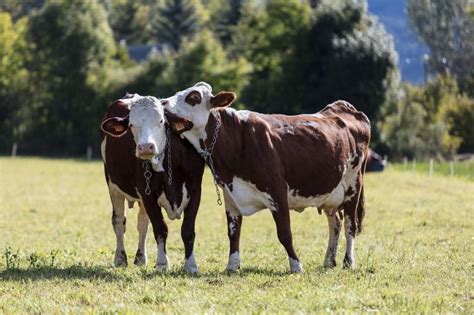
[353, 216]
[119, 221]
[281, 215]
[334, 223]
[142, 227]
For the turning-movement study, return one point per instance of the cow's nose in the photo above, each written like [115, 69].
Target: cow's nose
[146, 149]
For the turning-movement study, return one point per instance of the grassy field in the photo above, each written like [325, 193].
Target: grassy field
[460, 169]
[56, 242]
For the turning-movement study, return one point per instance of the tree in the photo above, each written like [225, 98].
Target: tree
[429, 121]
[14, 88]
[72, 40]
[178, 20]
[18, 9]
[225, 18]
[130, 19]
[448, 30]
[267, 37]
[302, 63]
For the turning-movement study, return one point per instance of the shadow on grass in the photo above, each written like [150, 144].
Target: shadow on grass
[110, 274]
[66, 273]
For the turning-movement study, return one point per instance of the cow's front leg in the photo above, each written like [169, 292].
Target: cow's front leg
[281, 215]
[160, 230]
[142, 227]
[188, 235]
[119, 224]
[334, 223]
[234, 224]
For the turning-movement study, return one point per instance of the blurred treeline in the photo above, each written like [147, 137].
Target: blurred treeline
[64, 61]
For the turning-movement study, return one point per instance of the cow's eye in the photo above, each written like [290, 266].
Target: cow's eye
[131, 126]
[161, 121]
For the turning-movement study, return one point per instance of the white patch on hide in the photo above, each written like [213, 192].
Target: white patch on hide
[247, 199]
[174, 211]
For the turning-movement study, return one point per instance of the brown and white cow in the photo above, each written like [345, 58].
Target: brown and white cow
[280, 162]
[137, 151]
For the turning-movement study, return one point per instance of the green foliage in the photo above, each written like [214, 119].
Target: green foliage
[427, 122]
[302, 64]
[14, 87]
[267, 38]
[460, 118]
[178, 21]
[72, 40]
[202, 59]
[448, 30]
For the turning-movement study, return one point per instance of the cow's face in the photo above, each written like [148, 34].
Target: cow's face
[146, 120]
[192, 106]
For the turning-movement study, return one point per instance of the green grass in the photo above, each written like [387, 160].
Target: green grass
[415, 255]
[461, 169]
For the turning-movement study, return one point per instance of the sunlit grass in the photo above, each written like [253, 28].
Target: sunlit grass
[415, 254]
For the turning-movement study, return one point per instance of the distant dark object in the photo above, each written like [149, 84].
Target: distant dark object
[141, 52]
[375, 163]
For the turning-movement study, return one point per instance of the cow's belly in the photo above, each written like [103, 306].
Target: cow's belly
[244, 197]
[175, 209]
[345, 190]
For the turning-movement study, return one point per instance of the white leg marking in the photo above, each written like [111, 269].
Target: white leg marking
[234, 262]
[119, 225]
[295, 265]
[349, 260]
[142, 226]
[190, 265]
[162, 263]
[334, 224]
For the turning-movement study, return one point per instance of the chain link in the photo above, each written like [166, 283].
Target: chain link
[168, 143]
[207, 155]
[147, 174]
[146, 165]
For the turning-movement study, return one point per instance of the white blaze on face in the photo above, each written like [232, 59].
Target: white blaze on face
[147, 123]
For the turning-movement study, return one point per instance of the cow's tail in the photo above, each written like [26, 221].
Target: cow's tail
[360, 212]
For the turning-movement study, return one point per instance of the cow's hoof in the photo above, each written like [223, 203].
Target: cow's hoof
[162, 264]
[140, 259]
[120, 259]
[348, 263]
[234, 262]
[329, 263]
[190, 266]
[295, 266]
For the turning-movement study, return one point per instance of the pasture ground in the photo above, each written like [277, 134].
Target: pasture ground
[56, 243]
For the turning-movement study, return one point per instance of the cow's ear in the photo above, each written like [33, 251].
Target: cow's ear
[222, 99]
[178, 124]
[115, 126]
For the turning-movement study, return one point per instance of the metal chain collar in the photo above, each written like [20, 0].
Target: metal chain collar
[207, 155]
[146, 165]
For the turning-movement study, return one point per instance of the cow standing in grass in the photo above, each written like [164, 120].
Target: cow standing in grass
[280, 162]
[145, 163]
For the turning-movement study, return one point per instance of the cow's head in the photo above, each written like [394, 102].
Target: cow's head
[146, 120]
[193, 105]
